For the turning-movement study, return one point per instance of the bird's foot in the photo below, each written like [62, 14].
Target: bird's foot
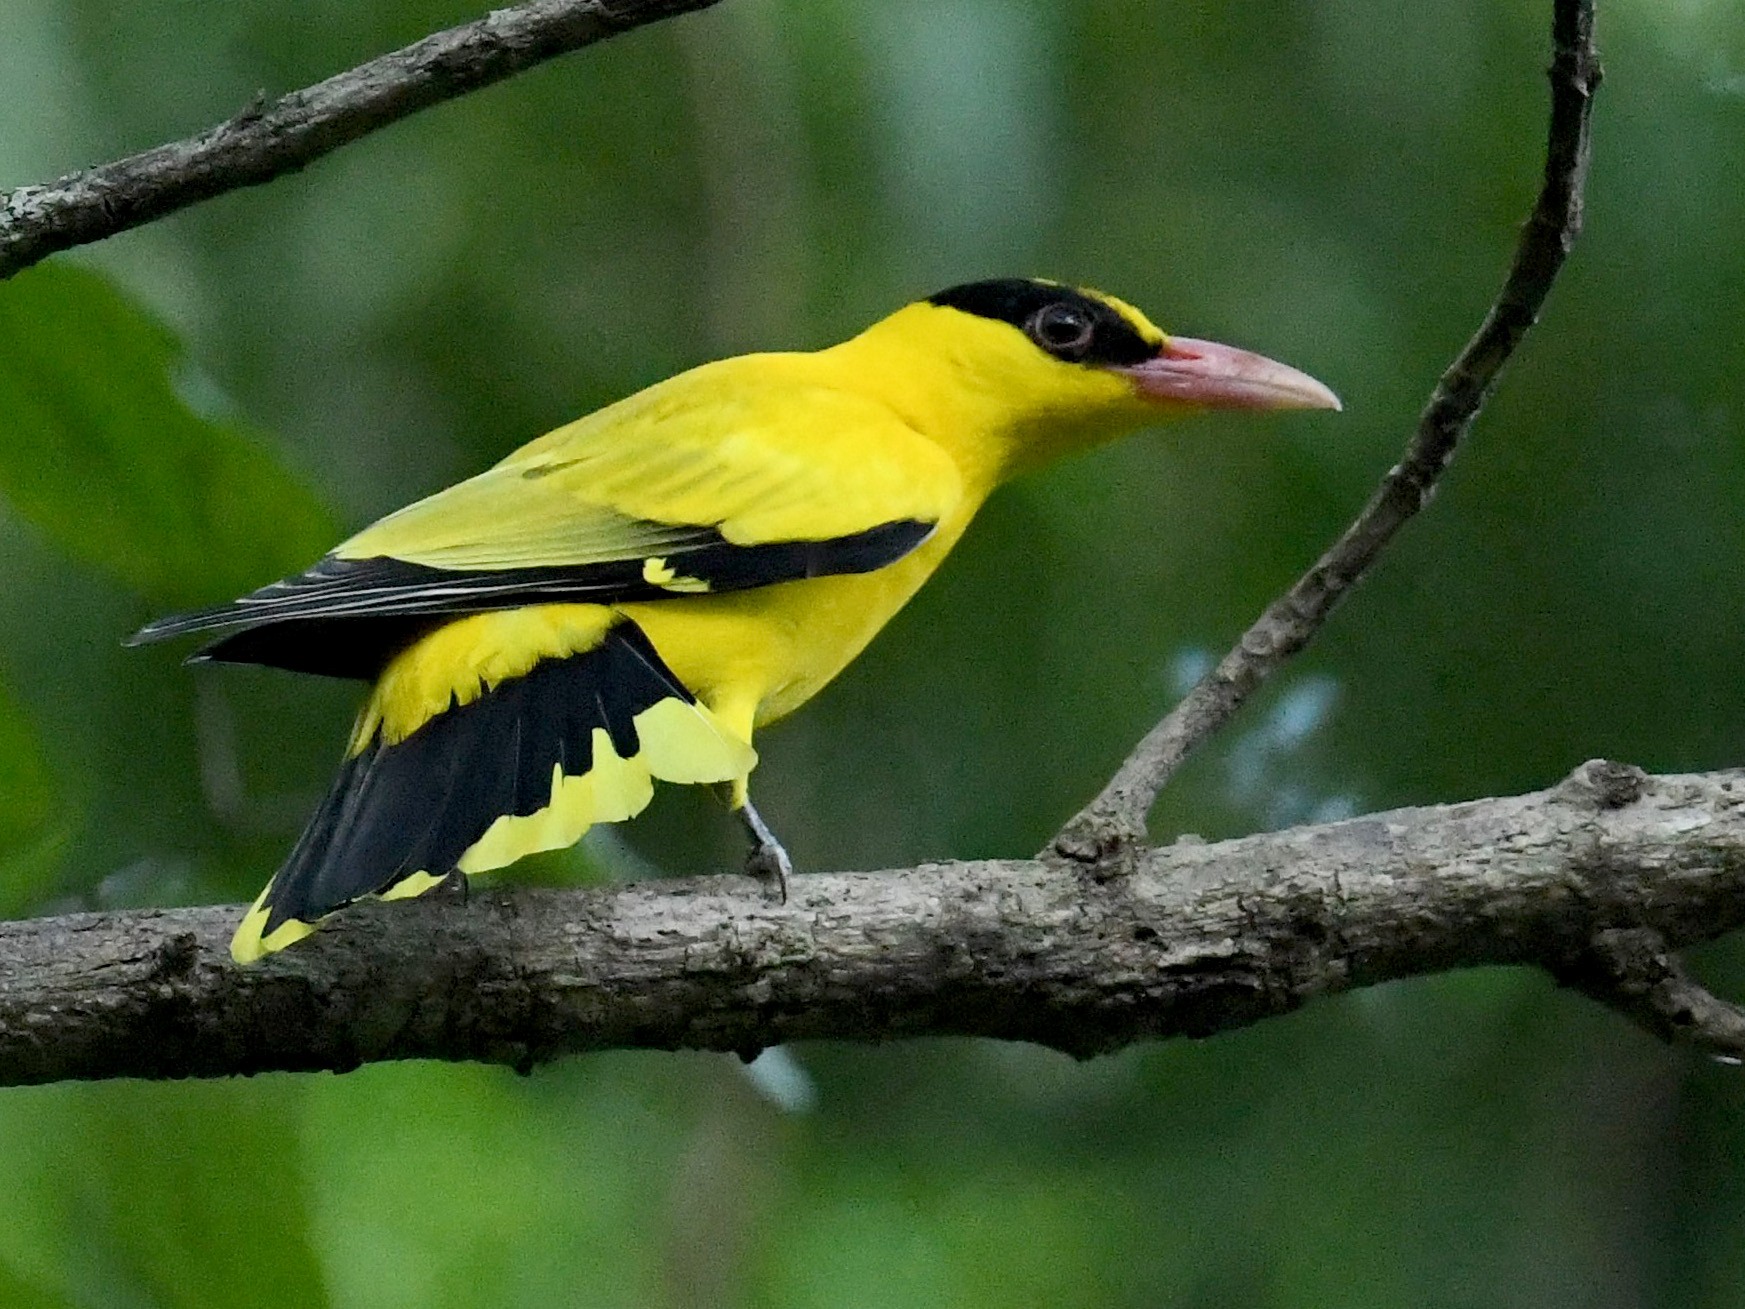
[768, 861]
[770, 865]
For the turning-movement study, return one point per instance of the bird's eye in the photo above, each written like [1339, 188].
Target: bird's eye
[1064, 330]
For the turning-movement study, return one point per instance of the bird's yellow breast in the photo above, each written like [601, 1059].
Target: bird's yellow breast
[756, 656]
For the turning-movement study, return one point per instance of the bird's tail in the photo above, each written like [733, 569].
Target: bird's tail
[454, 768]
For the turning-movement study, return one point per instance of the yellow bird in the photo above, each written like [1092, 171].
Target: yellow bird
[628, 597]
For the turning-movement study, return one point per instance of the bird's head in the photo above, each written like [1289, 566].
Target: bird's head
[1036, 369]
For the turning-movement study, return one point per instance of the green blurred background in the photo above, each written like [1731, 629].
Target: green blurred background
[187, 410]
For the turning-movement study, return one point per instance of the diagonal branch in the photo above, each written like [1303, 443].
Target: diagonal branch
[266, 141]
[1116, 818]
[1198, 939]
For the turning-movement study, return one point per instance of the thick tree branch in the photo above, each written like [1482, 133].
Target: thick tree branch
[1116, 818]
[1588, 880]
[266, 141]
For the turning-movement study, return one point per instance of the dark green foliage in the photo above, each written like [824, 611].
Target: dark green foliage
[102, 452]
[30, 830]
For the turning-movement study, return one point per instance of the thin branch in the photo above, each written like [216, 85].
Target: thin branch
[1116, 818]
[266, 141]
[1198, 939]
[1630, 969]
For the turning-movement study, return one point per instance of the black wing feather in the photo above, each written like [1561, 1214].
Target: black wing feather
[348, 617]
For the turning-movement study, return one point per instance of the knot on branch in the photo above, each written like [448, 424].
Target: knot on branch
[1100, 845]
[176, 956]
[1603, 784]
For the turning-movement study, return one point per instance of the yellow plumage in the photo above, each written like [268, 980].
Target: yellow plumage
[628, 597]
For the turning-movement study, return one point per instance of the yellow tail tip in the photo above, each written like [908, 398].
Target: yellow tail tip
[253, 942]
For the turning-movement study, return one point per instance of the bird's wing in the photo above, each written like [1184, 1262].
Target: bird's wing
[721, 479]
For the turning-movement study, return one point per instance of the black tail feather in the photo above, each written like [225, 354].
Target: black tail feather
[417, 805]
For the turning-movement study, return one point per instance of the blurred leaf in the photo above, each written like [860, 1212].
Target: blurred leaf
[992, 1236]
[101, 450]
[464, 1185]
[15, 1294]
[31, 822]
[187, 1194]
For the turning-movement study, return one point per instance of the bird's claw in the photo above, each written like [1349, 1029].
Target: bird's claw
[771, 866]
[768, 861]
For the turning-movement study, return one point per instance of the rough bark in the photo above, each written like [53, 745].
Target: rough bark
[1589, 880]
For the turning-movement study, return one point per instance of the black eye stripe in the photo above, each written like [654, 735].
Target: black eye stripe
[1019, 301]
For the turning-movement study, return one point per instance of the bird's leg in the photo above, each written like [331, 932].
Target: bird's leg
[768, 861]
